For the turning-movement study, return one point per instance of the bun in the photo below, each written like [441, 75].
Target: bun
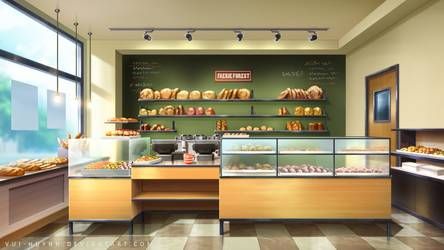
[165, 93]
[195, 95]
[243, 94]
[146, 94]
[156, 95]
[317, 111]
[299, 110]
[208, 95]
[182, 95]
[210, 111]
[315, 92]
[308, 111]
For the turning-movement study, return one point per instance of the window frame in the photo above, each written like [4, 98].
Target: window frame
[45, 68]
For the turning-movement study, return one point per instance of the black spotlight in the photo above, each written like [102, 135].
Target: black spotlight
[147, 36]
[239, 36]
[188, 36]
[277, 36]
[312, 36]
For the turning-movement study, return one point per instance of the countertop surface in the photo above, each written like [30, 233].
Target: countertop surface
[6, 179]
[180, 163]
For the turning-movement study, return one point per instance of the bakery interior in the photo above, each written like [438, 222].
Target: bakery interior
[218, 125]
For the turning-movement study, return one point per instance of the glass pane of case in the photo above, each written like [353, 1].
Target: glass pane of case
[104, 157]
[249, 146]
[248, 165]
[305, 146]
[362, 146]
[362, 165]
[305, 165]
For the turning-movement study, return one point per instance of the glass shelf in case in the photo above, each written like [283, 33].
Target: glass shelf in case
[246, 165]
[249, 146]
[362, 165]
[98, 157]
[362, 146]
[305, 146]
[305, 165]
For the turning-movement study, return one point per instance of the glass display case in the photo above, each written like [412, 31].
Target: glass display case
[248, 157]
[105, 157]
[310, 157]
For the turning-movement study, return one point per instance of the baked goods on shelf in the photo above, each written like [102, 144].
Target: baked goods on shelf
[231, 94]
[304, 168]
[122, 132]
[294, 126]
[195, 95]
[260, 128]
[242, 166]
[308, 111]
[252, 147]
[63, 143]
[358, 170]
[299, 110]
[182, 95]
[153, 127]
[314, 92]
[11, 171]
[209, 95]
[313, 126]
[235, 135]
[317, 111]
[165, 93]
[177, 110]
[122, 120]
[424, 150]
[283, 111]
[221, 125]
[146, 93]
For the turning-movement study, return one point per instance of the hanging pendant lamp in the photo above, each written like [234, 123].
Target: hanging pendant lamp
[76, 82]
[57, 54]
[90, 82]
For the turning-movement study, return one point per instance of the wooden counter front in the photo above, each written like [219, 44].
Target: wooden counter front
[175, 173]
[305, 198]
[101, 199]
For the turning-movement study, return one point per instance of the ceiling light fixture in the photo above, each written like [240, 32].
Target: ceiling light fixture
[239, 35]
[147, 35]
[188, 35]
[312, 36]
[277, 35]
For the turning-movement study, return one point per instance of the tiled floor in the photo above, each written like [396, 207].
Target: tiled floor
[201, 231]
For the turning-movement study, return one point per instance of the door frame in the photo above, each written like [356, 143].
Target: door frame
[367, 80]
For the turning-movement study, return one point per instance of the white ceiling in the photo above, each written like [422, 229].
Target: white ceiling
[98, 15]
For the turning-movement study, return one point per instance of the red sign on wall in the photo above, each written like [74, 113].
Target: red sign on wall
[232, 76]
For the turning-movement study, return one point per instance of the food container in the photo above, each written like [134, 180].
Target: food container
[164, 147]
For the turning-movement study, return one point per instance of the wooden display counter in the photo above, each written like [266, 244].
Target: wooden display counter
[305, 199]
[27, 199]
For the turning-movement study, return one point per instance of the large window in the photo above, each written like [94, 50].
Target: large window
[27, 76]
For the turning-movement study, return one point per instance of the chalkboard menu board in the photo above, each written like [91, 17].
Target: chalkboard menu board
[270, 75]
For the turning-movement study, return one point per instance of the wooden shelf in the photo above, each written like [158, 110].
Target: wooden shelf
[233, 100]
[234, 116]
[273, 131]
[176, 195]
[157, 131]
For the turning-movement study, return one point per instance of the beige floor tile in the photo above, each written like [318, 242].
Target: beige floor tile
[277, 243]
[408, 231]
[240, 243]
[381, 243]
[335, 230]
[271, 230]
[205, 230]
[181, 219]
[96, 243]
[421, 243]
[406, 218]
[439, 239]
[204, 243]
[168, 243]
[313, 243]
[147, 229]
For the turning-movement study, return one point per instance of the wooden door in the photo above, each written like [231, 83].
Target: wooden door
[382, 105]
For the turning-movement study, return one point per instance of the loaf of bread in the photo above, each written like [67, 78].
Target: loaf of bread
[243, 94]
[195, 95]
[146, 94]
[182, 95]
[157, 95]
[11, 171]
[165, 93]
[208, 95]
[317, 111]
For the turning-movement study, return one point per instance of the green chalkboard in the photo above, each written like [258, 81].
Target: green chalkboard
[270, 75]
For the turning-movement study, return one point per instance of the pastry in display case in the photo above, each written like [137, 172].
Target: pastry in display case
[362, 165]
[102, 157]
[249, 146]
[306, 146]
[420, 150]
[305, 165]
